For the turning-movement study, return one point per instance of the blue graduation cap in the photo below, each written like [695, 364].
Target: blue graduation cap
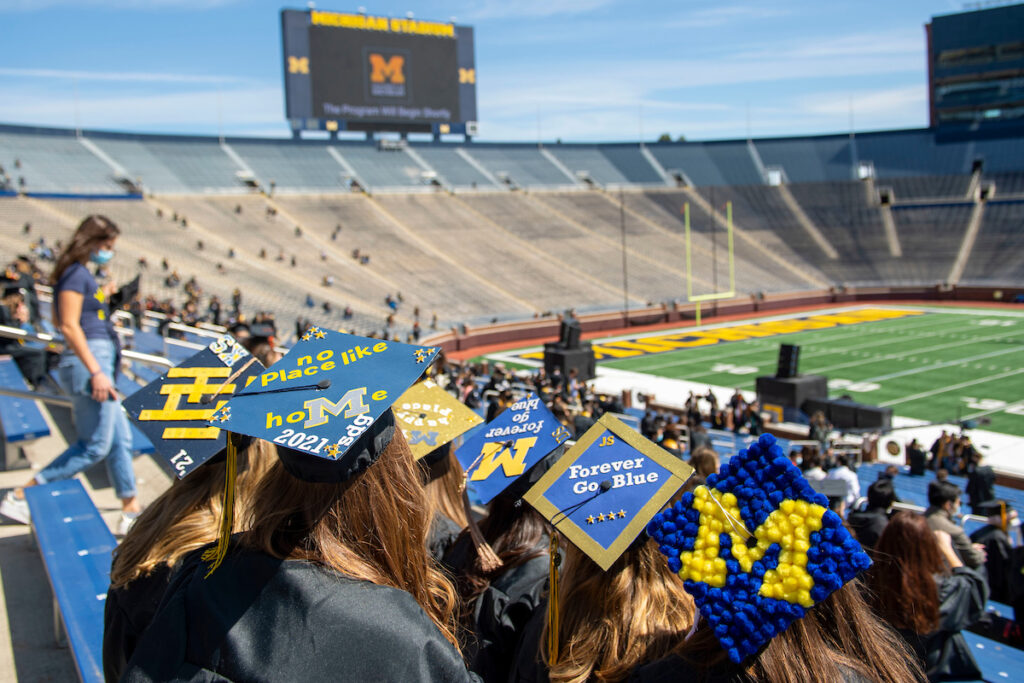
[509, 445]
[602, 492]
[326, 403]
[172, 410]
[756, 546]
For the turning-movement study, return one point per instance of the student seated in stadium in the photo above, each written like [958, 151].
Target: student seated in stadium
[611, 611]
[183, 519]
[844, 473]
[821, 632]
[501, 566]
[87, 372]
[1002, 560]
[32, 358]
[981, 482]
[921, 587]
[869, 523]
[332, 579]
[943, 509]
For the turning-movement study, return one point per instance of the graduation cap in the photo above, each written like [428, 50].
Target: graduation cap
[509, 446]
[756, 547]
[431, 418]
[172, 410]
[326, 403]
[125, 294]
[605, 489]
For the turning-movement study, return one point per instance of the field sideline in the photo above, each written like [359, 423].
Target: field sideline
[928, 363]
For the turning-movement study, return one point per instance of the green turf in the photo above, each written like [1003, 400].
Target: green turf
[936, 367]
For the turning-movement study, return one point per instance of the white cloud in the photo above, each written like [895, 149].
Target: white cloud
[729, 14]
[239, 108]
[36, 5]
[504, 9]
[122, 76]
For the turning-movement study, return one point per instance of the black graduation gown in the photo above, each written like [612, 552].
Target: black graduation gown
[258, 618]
[443, 532]
[126, 614]
[945, 653]
[501, 611]
[529, 666]
[868, 525]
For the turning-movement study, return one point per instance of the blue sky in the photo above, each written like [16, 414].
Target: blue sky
[578, 70]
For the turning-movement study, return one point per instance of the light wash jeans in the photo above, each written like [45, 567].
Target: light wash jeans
[103, 429]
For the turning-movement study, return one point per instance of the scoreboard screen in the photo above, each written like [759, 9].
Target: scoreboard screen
[364, 72]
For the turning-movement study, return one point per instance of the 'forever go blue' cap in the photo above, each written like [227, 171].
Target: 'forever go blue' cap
[605, 489]
[509, 445]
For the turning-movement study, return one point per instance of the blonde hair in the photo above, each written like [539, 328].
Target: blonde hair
[187, 516]
[839, 633]
[614, 621]
[370, 528]
[442, 481]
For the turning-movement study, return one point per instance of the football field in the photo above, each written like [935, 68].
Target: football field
[933, 364]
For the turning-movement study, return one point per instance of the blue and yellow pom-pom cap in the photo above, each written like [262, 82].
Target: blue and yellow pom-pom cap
[505, 449]
[602, 492]
[172, 410]
[327, 403]
[756, 547]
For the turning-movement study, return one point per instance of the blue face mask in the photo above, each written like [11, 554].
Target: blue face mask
[102, 256]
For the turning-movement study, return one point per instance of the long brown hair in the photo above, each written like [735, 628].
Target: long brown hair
[91, 232]
[614, 621]
[441, 481]
[187, 516]
[516, 532]
[371, 528]
[838, 634]
[902, 580]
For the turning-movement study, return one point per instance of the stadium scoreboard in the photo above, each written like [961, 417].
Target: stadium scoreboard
[361, 72]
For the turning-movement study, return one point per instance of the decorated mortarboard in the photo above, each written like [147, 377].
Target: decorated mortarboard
[172, 410]
[509, 445]
[430, 418]
[756, 547]
[602, 492]
[326, 403]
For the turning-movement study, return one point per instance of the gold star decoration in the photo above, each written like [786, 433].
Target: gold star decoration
[333, 450]
[590, 519]
[225, 415]
[611, 515]
[320, 334]
[600, 517]
[622, 513]
[306, 337]
[421, 355]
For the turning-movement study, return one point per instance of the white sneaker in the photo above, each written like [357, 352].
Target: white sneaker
[126, 522]
[15, 508]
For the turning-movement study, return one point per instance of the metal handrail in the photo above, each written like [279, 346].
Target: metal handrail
[181, 327]
[52, 399]
[18, 333]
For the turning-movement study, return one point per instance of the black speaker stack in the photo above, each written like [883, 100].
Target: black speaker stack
[569, 352]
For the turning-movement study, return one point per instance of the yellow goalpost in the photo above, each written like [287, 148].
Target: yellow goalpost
[713, 296]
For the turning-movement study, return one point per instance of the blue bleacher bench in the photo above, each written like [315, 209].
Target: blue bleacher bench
[997, 662]
[75, 544]
[21, 421]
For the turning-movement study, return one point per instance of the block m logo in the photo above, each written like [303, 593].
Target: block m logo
[509, 456]
[390, 70]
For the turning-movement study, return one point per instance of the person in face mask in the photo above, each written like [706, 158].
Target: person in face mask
[943, 510]
[86, 373]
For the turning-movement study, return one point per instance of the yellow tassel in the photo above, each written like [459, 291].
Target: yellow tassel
[555, 560]
[215, 555]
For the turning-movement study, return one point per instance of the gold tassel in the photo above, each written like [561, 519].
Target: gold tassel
[486, 558]
[215, 555]
[555, 560]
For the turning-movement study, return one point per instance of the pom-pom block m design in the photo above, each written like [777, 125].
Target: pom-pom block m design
[751, 585]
